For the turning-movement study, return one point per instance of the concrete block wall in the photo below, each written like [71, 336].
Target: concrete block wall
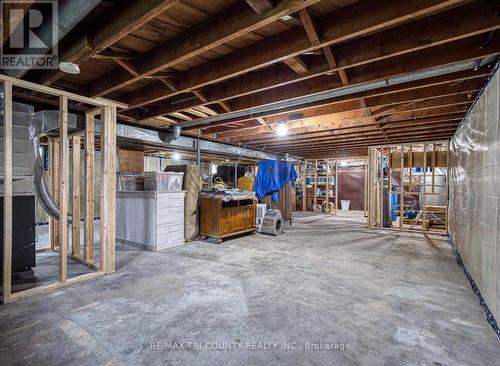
[474, 220]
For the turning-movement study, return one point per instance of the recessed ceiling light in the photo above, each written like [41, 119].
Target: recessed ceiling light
[175, 156]
[282, 129]
[69, 68]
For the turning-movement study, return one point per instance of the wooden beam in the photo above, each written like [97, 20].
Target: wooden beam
[260, 6]
[312, 33]
[199, 94]
[127, 19]
[309, 27]
[413, 41]
[63, 184]
[130, 16]
[459, 93]
[195, 112]
[296, 64]
[467, 82]
[181, 116]
[88, 253]
[131, 69]
[168, 82]
[463, 50]
[109, 54]
[332, 62]
[7, 193]
[225, 106]
[75, 208]
[228, 25]
[360, 135]
[444, 101]
[339, 26]
[349, 145]
[439, 111]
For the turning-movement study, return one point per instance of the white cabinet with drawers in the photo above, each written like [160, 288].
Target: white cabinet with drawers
[150, 220]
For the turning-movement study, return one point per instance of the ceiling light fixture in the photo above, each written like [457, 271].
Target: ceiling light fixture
[344, 163]
[282, 129]
[69, 68]
[175, 156]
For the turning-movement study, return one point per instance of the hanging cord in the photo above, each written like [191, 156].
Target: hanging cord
[219, 184]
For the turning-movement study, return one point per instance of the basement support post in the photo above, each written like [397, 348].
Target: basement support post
[304, 189]
[401, 189]
[108, 183]
[327, 187]
[51, 185]
[198, 152]
[75, 208]
[63, 184]
[336, 185]
[424, 189]
[88, 251]
[315, 183]
[381, 190]
[365, 196]
[55, 190]
[7, 193]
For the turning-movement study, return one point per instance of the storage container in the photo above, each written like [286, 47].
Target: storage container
[163, 181]
[246, 183]
[130, 182]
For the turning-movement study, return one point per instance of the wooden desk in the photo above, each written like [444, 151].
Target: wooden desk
[220, 220]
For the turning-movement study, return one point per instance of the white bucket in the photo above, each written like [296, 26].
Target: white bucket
[344, 205]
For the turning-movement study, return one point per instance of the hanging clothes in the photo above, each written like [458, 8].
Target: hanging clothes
[273, 175]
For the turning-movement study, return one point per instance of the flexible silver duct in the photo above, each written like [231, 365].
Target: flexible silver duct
[46, 121]
[40, 184]
[42, 123]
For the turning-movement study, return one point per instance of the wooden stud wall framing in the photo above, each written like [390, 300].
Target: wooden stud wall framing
[59, 182]
[304, 189]
[328, 174]
[88, 241]
[376, 181]
[336, 185]
[75, 207]
[63, 184]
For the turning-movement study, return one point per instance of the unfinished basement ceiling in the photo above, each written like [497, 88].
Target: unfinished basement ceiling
[181, 62]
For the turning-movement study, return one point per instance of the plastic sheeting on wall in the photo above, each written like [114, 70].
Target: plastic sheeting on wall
[474, 193]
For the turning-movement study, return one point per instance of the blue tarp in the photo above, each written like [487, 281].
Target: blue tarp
[272, 176]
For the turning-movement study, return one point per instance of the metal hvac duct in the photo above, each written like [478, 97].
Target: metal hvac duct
[46, 121]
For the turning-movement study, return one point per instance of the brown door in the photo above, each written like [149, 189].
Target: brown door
[238, 218]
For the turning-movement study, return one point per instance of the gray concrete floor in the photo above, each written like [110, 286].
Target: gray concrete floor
[384, 297]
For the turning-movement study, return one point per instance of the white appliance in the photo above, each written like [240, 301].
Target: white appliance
[259, 215]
